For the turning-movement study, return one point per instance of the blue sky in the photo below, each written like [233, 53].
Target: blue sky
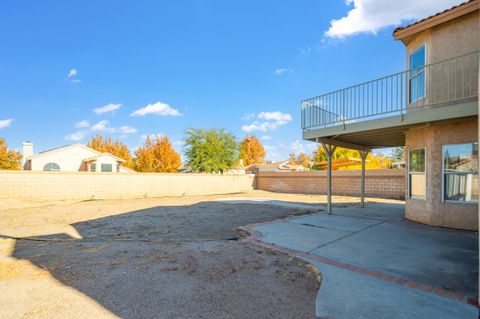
[126, 69]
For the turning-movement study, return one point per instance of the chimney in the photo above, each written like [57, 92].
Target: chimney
[27, 150]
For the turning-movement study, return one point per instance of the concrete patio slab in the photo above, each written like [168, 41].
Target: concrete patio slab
[375, 264]
[333, 222]
[435, 256]
[392, 212]
[299, 237]
[344, 294]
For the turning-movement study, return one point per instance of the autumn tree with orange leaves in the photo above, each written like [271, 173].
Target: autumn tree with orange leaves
[9, 159]
[252, 151]
[157, 155]
[117, 148]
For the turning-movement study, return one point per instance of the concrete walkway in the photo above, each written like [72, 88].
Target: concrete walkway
[375, 264]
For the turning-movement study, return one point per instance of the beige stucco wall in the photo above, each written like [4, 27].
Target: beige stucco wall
[450, 39]
[70, 159]
[456, 79]
[104, 159]
[433, 210]
[86, 185]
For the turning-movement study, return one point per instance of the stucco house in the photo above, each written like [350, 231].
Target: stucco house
[71, 158]
[431, 108]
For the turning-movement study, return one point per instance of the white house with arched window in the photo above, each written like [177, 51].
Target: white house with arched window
[71, 158]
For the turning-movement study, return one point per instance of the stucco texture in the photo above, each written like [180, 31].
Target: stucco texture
[433, 210]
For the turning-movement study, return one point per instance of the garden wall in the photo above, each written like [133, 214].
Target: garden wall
[86, 185]
[389, 183]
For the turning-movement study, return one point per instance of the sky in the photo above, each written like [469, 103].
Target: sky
[129, 69]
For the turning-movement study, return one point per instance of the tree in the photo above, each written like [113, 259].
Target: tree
[210, 150]
[398, 154]
[292, 158]
[252, 151]
[300, 159]
[304, 160]
[348, 159]
[157, 155]
[9, 159]
[117, 148]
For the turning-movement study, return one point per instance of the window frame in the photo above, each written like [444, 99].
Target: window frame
[93, 167]
[451, 201]
[410, 77]
[409, 173]
[103, 165]
[52, 170]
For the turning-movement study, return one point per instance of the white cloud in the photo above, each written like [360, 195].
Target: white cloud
[102, 126]
[127, 129]
[282, 71]
[276, 116]
[77, 136]
[72, 72]
[260, 126]
[82, 124]
[248, 116]
[5, 123]
[271, 120]
[107, 108]
[370, 16]
[159, 108]
[266, 137]
[75, 81]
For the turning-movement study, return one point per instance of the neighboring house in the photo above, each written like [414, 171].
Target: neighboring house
[431, 109]
[71, 158]
[282, 166]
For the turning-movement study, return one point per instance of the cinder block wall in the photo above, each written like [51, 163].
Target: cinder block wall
[84, 185]
[378, 183]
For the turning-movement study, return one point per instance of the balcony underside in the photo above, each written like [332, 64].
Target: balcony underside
[388, 131]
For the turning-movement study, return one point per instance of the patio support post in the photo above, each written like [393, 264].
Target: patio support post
[329, 150]
[363, 155]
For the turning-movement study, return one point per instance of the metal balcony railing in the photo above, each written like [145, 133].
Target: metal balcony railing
[434, 84]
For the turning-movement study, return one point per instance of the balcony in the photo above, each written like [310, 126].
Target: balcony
[438, 91]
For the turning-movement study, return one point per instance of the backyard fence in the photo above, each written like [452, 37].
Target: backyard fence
[85, 185]
[388, 183]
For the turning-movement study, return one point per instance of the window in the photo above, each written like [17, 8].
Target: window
[416, 77]
[416, 173]
[118, 168]
[106, 167]
[460, 172]
[51, 167]
[93, 167]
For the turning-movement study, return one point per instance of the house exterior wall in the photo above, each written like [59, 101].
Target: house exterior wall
[432, 210]
[453, 38]
[69, 159]
[378, 183]
[83, 185]
[456, 79]
[104, 159]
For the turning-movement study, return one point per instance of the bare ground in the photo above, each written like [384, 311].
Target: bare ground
[174, 257]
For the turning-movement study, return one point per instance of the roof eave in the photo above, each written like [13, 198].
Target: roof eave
[427, 23]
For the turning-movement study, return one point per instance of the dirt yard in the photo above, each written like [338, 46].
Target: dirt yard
[173, 257]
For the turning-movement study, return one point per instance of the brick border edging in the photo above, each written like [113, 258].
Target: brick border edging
[254, 237]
